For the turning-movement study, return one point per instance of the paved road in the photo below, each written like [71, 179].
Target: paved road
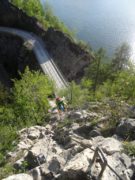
[47, 64]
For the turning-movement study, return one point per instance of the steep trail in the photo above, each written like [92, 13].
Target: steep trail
[47, 64]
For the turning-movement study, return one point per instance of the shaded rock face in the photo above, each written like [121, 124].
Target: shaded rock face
[126, 128]
[70, 58]
[14, 57]
[11, 16]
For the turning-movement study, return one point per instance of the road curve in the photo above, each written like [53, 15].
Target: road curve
[47, 64]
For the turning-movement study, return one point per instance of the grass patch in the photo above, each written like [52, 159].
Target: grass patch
[65, 123]
[7, 170]
[129, 148]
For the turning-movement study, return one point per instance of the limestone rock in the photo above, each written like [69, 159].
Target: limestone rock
[131, 112]
[84, 130]
[108, 145]
[46, 147]
[94, 133]
[82, 115]
[49, 160]
[19, 177]
[77, 167]
[126, 128]
[18, 164]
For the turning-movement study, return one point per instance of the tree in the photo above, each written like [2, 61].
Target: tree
[121, 57]
[30, 97]
[43, 13]
[98, 71]
[32, 7]
[123, 87]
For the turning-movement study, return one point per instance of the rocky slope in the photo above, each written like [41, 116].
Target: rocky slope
[70, 57]
[67, 152]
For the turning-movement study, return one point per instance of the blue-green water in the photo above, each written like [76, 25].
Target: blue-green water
[102, 23]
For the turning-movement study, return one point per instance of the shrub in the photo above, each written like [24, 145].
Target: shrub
[7, 170]
[30, 97]
[129, 148]
[7, 136]
[44, 15]
[123, 87]
[75, 94]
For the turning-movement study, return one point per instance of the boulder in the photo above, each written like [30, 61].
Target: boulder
[131, 111]
[46, 148]
[121, 164]
[95, 133]
[77, 167]
[41, 173]
[49, 160]
[25, 144]
[84, 130]
[108, 145]
[126, 128]
[19, 177]
[54, 165]
[82, 115]
[18, 164]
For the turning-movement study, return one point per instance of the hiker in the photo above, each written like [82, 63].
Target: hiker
[52, 104]
[60, 104]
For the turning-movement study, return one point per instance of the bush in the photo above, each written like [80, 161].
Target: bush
[30, 97]
[7, 136]
[28, 105]
[7, 170]
[44, 15]
[75, 94]
[123, 87]
[129, 148]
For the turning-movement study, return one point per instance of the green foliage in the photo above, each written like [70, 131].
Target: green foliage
[44, 15]
[75, 94]
[64, 123]
[30, 97]
[123, 87]
[27, 105]
[121, 57]
[115, 80]
[7, 115]
[85, 46]
[129, 148]
[98, 71]
[53, 21]
[7, 136]
[5, 171]
[31, 7]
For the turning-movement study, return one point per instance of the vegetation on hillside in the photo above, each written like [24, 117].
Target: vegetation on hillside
[44, 14]
[113, 79]
[25, 105]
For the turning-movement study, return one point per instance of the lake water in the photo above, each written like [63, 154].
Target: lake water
[101, 23]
